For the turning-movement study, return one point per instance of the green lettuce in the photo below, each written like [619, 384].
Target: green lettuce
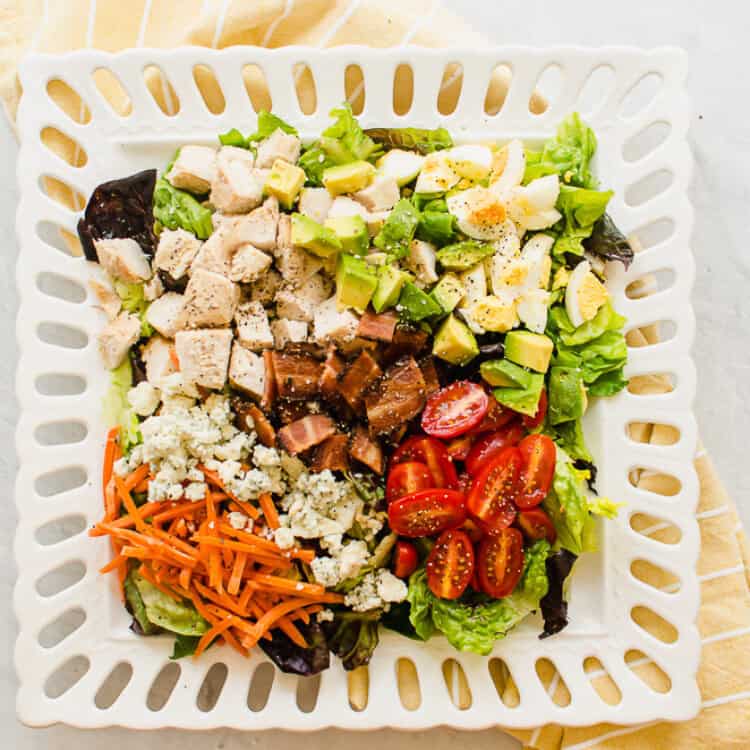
[568, 154]
[581, 209]
[412, 139]
[134, 301]
[167, 613]
[116, 407]
[606, 319]
[232, 137]
[569, 437]
[398, 230]
[523, 400]
[603, 506]
[178, 209]
[566, 393]
[135, 605]
[267, 124]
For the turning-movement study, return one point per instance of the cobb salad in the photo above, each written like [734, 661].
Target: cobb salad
[347, 383]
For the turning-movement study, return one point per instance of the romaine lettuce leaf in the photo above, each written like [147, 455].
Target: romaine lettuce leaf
[134, 604]
[134, 301]
[116, 407]
[232, 137]
[412, 139]
[267, 124]
[580, 208]
[606, 319]
[162, 610]
[176, 209]
[569, 436]
[566, 393]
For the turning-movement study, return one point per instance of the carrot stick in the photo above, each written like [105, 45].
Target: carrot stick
[247, 593]
[298, 588]
[127, 501]
[237, 570]
[213, 478]
[111, 449]
[269, 510]
[111, 503]
[209, 635]
[114, 563]
[179, 511]
[185, 575]
[136, 477]
[223, 600]
[174, 358]
[273, 614]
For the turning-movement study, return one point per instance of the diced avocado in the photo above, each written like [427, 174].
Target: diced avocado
[523, 400]
[503, 373]
[352, 232]
[567, 394]
[316, 238]
[284, 181]
[348, 178]
[356, 282]
[417, 305]
[448, 292]
[461, 256]
[454, 342]
[532, 350]
[391, 280]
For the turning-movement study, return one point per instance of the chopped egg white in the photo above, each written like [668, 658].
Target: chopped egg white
[472, 161]
[480, 214]
[532, 206]
[584, 295]
[436, 176]
[532, 309]
[508, 167]
[402, 166]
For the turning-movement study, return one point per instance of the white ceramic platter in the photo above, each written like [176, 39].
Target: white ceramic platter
[72, 626]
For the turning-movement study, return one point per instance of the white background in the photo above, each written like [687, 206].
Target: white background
[714, 34]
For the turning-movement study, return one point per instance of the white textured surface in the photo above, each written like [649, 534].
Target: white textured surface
[721, 304]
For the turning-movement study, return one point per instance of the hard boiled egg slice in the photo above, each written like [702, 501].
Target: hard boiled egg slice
[402, 166]
[437, 175]
[532, 309]
[479, 213]
[533, 206]
[536, 252]
[584, 295]
[472, 161]
[508, 166]
[495, 313]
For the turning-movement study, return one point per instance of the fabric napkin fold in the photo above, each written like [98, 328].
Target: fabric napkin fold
[724, 619]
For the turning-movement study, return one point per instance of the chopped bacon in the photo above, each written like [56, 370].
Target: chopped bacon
[290, 411]
[269, 389]
[357, 379]
[406, 340]
[399, 397]
[357, 345]
[380, 327]
[306, 432]
[430, 375]
[332, 454]
[266, 433]
[329, 376]
[296, 375]
[367, 450]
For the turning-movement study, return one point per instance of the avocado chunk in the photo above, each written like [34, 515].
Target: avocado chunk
[284, 181]
[567, 394]
[308, 234]
[417, 305]
[461, 256]
[503, 373]
[532, 350]
[523, 400]
[348, 178]
[356, 282]
[454, 342]
[448, 292]
[391, 280]
[352, 233]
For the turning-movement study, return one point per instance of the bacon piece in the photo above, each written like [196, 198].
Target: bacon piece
[406, 340]
[357, 379]
[367, 450]
[269, 389]
[290, 411]
[399, 397]
[296, 375]
[266, 433]
[430, 375]
[329, 376]
[306, 432]
[332, 454]
[357, 345]
[380, 327]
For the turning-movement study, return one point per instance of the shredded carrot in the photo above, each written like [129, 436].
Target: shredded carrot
[111, 503]
[265, 623]
[127, 501]
[111, 451]
[136, 477]
[174, 358]
[238, 569]
[269, 510]
[114, 563]
[209, 635]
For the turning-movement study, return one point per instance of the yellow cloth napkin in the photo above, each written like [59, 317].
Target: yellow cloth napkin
[724, 619]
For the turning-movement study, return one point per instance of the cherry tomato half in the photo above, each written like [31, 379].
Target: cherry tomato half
[432, 452]
[426, 512]
[450, 564]
[538, 467]
[500, 562]
[494, 489]
[541, 412]
[536, 525]
[405, 559]
[406, 478]
[473, 529]
[455, 409]
[495, 418]
[459, 447]
[490, 444]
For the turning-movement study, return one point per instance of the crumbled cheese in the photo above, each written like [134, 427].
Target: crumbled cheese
[377, 588]
[196, 491]
[325, 615]
[121, 467]
[284, 538]
[326, 571]
[238, 520]
[144, 398]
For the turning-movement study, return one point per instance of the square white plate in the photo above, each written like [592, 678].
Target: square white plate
[72, 626]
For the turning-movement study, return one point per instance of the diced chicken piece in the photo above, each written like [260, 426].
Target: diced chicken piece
[378, 326]
[345, 206]
[164, 314]
[283, 233]
[278, 145]
[357, 379]
[235, 188]
[153, 289]
[261, 175]
[117, 338]
[300, 303]
[332, 454]
[257, 228]
[329, 376]
[264, 289]
[315, 203]
[332, 325]
[247, 371]
[108, 299]
[253, 330]
[399, 397]
[297, 265]
[286, 331]
[176, 251]
[421, 262]
[296, 375]
[194, 169]
[430, 375]
[381, 194]
[306, 432]
[210, 300]
[248, 264]
[367, 450]
[204, 356]
[216, 252]
[157, 356]
[122, 258]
